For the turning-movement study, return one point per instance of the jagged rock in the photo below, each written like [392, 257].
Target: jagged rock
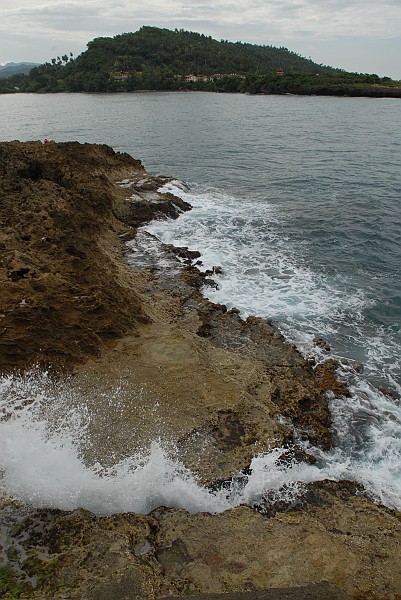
[60, 217]
[336, 537]
[318, 341]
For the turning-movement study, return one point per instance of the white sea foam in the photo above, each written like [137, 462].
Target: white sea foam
[45, 431]
[264, 274]
[42, 444]
[261, 275]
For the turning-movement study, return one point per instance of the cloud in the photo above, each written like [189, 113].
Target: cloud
[290, 18]
[330, 18]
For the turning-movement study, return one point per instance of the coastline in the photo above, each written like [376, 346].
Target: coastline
[76, 298]
[391, 94]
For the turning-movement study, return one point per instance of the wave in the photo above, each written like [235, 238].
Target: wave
[44, 436]
[46, 439]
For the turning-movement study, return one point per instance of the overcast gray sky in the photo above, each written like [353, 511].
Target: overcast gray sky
[356, 35]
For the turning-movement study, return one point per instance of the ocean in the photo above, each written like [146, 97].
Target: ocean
[298, 200]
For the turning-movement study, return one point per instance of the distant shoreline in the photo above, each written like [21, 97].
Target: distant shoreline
[396, 93]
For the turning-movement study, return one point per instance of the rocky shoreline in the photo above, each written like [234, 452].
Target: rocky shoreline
[86, 294]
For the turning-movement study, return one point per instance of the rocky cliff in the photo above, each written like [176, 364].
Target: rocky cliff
[88, 296]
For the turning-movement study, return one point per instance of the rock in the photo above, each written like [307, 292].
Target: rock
[318, 341]
[185, 253]
[320, 591]
[338, 544]
[60, 220]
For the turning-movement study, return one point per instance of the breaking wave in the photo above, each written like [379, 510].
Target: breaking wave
[47, 456]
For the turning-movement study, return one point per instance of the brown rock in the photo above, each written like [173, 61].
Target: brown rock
[65, 288]
[342, 545]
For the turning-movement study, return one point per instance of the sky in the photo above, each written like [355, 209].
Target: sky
[356, 35]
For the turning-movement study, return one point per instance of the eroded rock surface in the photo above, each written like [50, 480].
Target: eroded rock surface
[338, 539]
[64, 290]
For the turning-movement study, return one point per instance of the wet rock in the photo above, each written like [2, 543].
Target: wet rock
[358, 367]
[185, 253]
[317, 494]
[318, 341]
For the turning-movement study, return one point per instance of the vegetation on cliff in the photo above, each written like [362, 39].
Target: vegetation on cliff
[338, 83]
[160, 59]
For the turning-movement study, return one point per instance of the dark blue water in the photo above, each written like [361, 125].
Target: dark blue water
[299, 200]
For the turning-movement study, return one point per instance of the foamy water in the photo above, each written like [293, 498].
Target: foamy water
[43, 442]
[265, 274]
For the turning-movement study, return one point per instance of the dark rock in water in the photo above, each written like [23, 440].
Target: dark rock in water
[211, 283]
[354, 364]
[190, 254]
[318, 494]
[389, 392]
[318, 341]
[296, 454]
[183, 252]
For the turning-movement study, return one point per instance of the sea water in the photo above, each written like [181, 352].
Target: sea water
[298, 200]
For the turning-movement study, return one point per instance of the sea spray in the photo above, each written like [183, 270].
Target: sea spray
[44, 436]
[45, 439]
[45, 433]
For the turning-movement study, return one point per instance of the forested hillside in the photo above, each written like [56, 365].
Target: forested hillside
[182, 52]
[160, 59]
[152, 58]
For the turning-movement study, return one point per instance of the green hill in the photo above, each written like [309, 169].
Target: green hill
[153, 58]
[160, 59]
[184, 52]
